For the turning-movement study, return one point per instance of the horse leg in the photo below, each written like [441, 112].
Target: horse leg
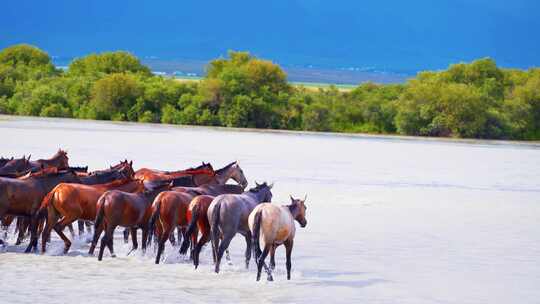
[33, 234]
[110, 242]
[71, 230]
[88, 226]
[248, 249]
[106, 241]
[193, 242]
[172, 239]
[133, 231]
[59, 230]
[260, 263]
[126, 235]
[52, 219]
[221, 249]
[197, 249]
[273, 258]
[288, 249]
[144, 239]
[166, 232]
[65, 221]
[97, 233]
[80, 225]
[22, 226]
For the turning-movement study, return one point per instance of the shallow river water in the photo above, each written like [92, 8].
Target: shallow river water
[390, 220]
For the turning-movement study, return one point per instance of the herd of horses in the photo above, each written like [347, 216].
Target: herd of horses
[47, 194]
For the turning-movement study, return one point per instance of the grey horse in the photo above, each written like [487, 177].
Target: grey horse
[228, 214]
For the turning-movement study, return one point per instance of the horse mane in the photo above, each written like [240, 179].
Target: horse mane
[156, 186]
[259, 187]
[59, 153]
[118, 182]
[199, 167]
[107, 171]
[218, 171]
[47, 172]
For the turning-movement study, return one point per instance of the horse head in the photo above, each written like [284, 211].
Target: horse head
[298, 210]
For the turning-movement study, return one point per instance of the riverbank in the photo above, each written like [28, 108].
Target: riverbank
[384, 137]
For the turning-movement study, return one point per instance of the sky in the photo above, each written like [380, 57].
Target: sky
[387, 34]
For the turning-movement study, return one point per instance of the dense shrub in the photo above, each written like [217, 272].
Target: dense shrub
[475, 100]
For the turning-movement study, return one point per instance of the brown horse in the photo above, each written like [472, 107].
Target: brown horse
[198, 221]
[169, 210]
[22, 197]
[67, 203]
[221, 176]
[214, 186]
[274, 225]
[130, 210]
[4, 161]
[15, 167]
[58, 160]
[121, 170]
[201, 174]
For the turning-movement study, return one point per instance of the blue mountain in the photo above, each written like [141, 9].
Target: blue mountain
[386, 35]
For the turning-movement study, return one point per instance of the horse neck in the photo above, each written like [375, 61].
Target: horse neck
[222, 176]
[55, 161]
[151, 195]
[50, 182]
[130, 186]
[256, 197]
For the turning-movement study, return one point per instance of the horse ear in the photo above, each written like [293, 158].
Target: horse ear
[257, 184]
[292, 199]
[131, 163]
[271, 185]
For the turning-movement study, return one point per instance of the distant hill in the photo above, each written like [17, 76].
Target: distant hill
[396, 36]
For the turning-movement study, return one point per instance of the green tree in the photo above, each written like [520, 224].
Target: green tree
[114, 95]
[107, 63]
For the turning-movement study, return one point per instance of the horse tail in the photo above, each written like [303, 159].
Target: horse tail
[47, 202]
[100, 214]
[256, 234]
[153, 218]
[214, 229]
[190, 230]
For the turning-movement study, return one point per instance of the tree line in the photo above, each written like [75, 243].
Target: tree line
[468, 100]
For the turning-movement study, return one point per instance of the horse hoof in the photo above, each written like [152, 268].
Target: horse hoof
[270, 278]
[113, 255]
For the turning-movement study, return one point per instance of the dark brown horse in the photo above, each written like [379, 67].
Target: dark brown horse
[67, 203]
[200, 174]
[211, 186]
[130, 210]
[120, 171]
[169, 210]
[220, 177]
[15, 167]
[4, 161]
[22, 197]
